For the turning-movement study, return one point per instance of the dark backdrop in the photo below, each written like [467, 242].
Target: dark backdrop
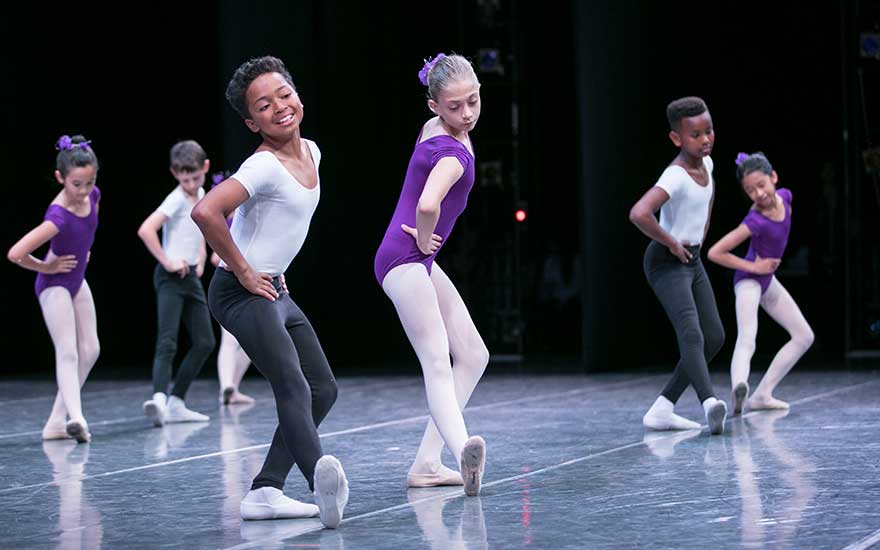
[593, 80]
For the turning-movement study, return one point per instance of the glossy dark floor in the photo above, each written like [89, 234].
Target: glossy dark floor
[569, 466]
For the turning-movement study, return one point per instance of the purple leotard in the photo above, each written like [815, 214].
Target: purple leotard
[75, 236]
[768, 239]
[399, 248]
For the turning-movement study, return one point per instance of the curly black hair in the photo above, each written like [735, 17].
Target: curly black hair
[682, 108]
[248, 72]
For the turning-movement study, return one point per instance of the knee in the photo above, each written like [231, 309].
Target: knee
[437, 368]
[89, 353]
[67, 357]
[805, 338]
[478, 358]
[286, 385]
[166, 345]
[204, 344]
[326, 393]
[745, 343]
[692, 339]
[714, 339]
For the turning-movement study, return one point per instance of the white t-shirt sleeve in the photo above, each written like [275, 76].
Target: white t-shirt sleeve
[256, 173]
[172, 204]
[670, 180]
[316, 153]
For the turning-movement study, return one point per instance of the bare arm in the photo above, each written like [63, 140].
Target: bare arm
[642, 216]
[203, 256]
[21, 252]
[210, 215]
[709, 215]
[720, 253]
[441, 179]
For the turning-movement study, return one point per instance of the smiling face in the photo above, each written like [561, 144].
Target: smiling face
[761, 188]
[78, 183]
[695, 135]
[459, 105]
[274, 107]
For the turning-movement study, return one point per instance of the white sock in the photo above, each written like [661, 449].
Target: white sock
[270, 503]
[177, 412]
[156, 409]
[331, 490]
[661, 417]
[716, 414]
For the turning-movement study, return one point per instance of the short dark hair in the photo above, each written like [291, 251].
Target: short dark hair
[77, 156]
[682, 108]
[187, 156]
[756, 162]
[236, 91]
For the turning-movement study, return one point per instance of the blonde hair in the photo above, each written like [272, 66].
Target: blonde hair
[447, 70]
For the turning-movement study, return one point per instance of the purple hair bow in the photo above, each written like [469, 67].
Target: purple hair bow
[741, 158]
[66, 144]
[219, 177]
[429, 64]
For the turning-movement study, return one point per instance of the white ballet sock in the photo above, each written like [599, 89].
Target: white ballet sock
[177, 412]
[156, 409]
[716, 414]
[270, 503]
[661, 416]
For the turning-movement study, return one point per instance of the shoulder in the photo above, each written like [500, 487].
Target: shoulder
[785, 194]
[445, 146]
[258, 171]
[754, 221]
[709, 163]
[316, 151]
[258, 159]
[261, 164]
[671, 178]
[55, 213]
[171, 202]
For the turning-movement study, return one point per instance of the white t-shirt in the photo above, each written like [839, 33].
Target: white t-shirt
[684, 215]
[181, 238]
[270, 227]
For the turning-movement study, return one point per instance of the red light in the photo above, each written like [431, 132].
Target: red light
[520, 215]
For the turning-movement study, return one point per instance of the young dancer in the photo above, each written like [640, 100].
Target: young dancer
[274, 194]
[436, 321]
[69, 227]
[179, 292]
[232, 361]
[684, 195]
[767, 225]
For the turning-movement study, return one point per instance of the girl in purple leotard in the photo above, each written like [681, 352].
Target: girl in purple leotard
[767, 224]
[64, 295]
[436, 321]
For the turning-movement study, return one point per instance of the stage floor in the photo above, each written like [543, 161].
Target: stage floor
[569, 466]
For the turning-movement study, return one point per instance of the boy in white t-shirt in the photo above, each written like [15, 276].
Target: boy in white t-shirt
[179, 293]
[684, 195]
[274, 194]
